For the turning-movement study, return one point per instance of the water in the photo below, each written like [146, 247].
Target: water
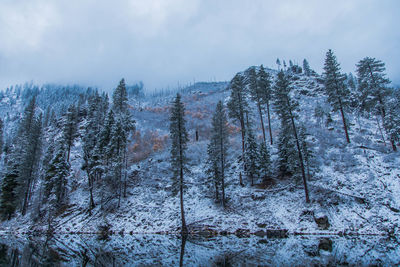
[162, 250]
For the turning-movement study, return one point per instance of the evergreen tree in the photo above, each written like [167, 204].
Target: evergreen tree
[335, 88]
[1, 137]
[278, 62]
[179, 138]
[251, 155]
[28, 152]
[56, 177]
[217, 150]
[238, 105]
[8, 190]
[264, 89]
[392, 119]
[70, 128]
[306, 68]
[372, 85]
[264, 161]
[257, 95]
[285, 108]
[120, 99]
[288, 160]
[123, 126]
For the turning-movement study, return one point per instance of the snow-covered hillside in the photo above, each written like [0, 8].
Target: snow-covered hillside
[354, 190]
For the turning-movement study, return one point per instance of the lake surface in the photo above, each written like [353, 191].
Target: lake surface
[164, 250]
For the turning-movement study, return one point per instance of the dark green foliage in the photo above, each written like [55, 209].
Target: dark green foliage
[179, 136]
[56, 177]
[179, 139]
[8, 191]
[238, 105]
[372, 85]
[264, 162]
[217, 151]
[288, 138]
[264, 88]
[27, 152]
[251, 155]
[392, 119]
[306, 68]
[120, 98]
[336, 89]
[70, 125]
[1, 136]
[288, 161]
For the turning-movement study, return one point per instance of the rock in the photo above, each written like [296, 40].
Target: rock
[242, 233]
[261, 225]
[277, 233]
[260, 233]
[325, 244]
[322, 220]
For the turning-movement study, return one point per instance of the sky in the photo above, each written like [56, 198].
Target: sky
[170, 43]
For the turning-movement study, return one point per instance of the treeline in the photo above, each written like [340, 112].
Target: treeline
[37, 171]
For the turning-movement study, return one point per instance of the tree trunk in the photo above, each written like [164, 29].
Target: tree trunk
[182, 250]
[222, 166]
[344, 121]
[299, 152]
[269, 123]
[69, 151]
[262, 121]
[183, 228]
[125, 172]
[183, 221]
[380, 130]
[91, 201]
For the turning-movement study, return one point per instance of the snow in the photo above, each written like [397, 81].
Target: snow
[347, 173]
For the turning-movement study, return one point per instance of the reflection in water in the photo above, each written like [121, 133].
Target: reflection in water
[150, 250]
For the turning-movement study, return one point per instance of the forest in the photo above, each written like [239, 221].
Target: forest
[272, 149]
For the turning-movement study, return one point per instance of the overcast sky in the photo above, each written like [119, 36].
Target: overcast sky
[166, 42]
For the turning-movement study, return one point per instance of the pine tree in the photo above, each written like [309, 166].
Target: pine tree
[338, 94]
[28, 152]
[238, 105]
[56, 177]
[70, 128]
[392, 119]
[251, 155]
[217, 150]
[285, 108]
[8, 195]
[179, 138]
[264, 162]
[372, 85]
[306, 68]
[288, 159]
[278, 62]
[120, 99]
[127, 124]
[257, 95]
[1, 137]
[264, 85]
